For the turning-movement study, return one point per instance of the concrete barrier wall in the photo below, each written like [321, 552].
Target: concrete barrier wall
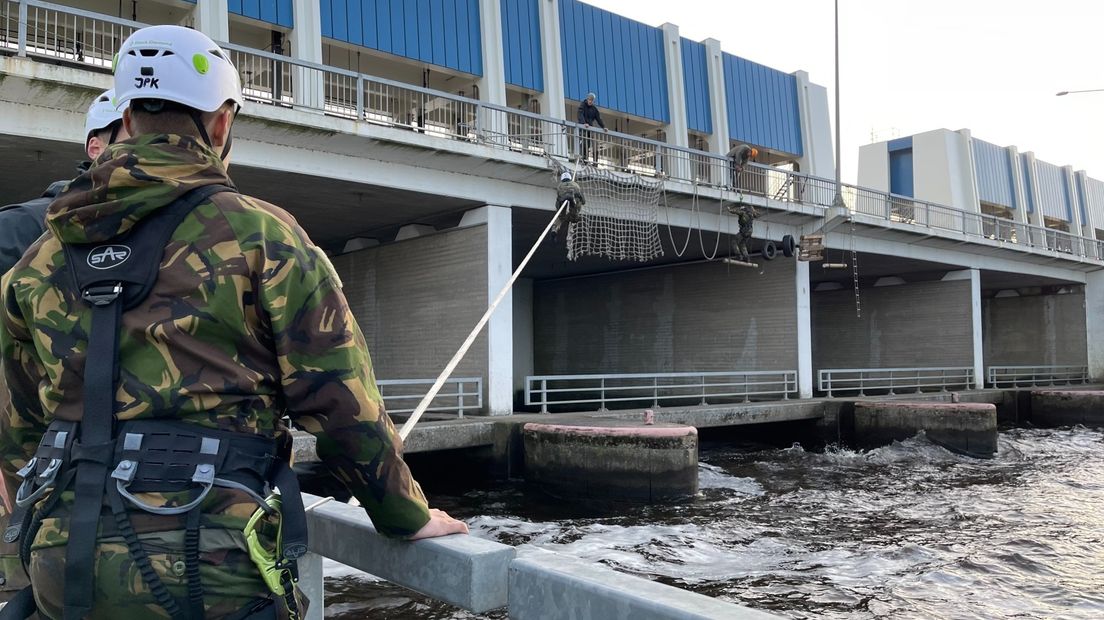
[416, 301]
[1035, 330]
[905, 326]
[705, 316]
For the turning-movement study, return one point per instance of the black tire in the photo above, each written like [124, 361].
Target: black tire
[788, 246]
[770, 250]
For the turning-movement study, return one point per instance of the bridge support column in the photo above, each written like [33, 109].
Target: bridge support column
[499, 386]
[975, 319]
[213, 19]
[804, 331]
[718, 103]
[1094, 323]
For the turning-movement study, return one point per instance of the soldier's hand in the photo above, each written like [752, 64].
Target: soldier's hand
[440, 524]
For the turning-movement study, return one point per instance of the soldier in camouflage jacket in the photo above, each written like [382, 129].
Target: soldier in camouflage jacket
[245, 324]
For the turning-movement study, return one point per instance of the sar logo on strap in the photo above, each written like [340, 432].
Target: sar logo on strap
[108, 256]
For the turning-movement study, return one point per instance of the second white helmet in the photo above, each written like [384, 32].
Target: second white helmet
[173, 63]
[101, 114]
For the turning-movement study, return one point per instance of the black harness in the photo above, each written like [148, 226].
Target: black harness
[101, 459]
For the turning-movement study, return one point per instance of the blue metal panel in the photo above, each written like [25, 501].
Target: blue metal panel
[277, 12]
[695, 76]
[438, 32]
[268, 11]
[521, 43]
[1053, 192]
[327, 22]
[464, 45]
[339, 17]
[993, 171]
[619, 59]
[900, 172]
[285, 11]
[355, 24]
[899, 143]
[475, 38]
[762, 105]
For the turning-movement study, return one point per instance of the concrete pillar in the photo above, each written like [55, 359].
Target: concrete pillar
[492, 86]
[678, 130]
[804, 332]
[1094, 323]
[212, 18]
[499, 386]
[552, 99]
[978, 336]
[308, 86]
[718, 102]
[818, 157]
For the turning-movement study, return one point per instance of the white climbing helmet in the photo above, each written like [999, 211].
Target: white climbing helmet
[178, 64]
[101, 114]
[565, 176]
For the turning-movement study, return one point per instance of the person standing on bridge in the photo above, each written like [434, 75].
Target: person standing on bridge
[20, 225]
[589, 116]
[738, 157]
[151, 380]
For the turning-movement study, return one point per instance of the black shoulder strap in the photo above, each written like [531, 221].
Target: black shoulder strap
[109, 276]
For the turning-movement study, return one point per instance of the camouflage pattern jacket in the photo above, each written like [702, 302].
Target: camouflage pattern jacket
[245, 324]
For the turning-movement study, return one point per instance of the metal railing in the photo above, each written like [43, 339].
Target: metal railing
[893, 380]
[653, 389]
[1030, 376]
[41, 29]
[459, 394]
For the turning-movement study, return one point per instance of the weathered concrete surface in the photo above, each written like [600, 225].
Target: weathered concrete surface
[612, 460]
[1067, 407]
[967, 428]
[544, 584]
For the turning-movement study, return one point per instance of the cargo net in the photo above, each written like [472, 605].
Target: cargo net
[618, 220]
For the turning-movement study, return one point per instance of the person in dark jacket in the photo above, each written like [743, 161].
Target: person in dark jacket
[21, 224]
[589, 116]
[738, 158]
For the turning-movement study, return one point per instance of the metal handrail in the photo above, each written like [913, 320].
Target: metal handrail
[892, 380]
[346, 93]
[470, 388]
[1030, 376]
[654, 388]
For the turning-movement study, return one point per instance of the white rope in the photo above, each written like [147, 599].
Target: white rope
[404, 432]
[667, 214]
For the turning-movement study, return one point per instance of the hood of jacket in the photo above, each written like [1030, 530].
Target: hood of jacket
[128, 182]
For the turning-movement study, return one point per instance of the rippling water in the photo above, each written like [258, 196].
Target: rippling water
[906, 531]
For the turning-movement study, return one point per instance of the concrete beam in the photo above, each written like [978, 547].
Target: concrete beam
[465, 571]
[978, 336]
[678, 132]
[803, 334]
[542, 581]
[818, 157]
[1094, 323]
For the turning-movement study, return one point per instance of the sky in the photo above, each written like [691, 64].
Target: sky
[908, 66]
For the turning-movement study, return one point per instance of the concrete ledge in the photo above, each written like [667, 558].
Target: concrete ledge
[1067, 407]
[544, 584]
[966, 428]
[465, 571]
[612, 459]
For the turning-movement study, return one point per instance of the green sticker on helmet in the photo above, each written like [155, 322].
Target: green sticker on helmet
[201, 64]
[114, 62]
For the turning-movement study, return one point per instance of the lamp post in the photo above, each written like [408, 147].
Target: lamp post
[1074, 92]
[838, 200]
